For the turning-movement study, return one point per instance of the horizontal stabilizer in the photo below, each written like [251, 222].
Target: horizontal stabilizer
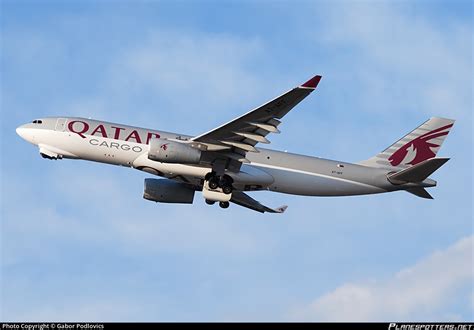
[418, 172]
[245, 200]
[420, 192]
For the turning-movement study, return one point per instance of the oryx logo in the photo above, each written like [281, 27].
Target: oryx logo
[419, 149]
[164, 146]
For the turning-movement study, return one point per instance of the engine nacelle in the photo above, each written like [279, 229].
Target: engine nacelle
[167, 191]
[166, 151]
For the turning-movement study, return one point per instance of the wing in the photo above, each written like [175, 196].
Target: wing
[245, 200]
[234, 139]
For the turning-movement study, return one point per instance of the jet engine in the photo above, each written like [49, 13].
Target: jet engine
[166, 151]
[167, 191]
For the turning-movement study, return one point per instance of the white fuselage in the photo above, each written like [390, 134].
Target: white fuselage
[104, 142]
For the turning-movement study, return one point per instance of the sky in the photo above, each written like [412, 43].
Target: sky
[78, 241]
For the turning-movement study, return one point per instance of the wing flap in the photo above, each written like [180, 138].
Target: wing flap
[254, 137]
[267, 127]
[240, 145]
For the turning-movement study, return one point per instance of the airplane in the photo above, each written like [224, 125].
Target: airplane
[224, 163]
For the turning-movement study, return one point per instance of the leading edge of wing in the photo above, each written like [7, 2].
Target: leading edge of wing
[310, 84]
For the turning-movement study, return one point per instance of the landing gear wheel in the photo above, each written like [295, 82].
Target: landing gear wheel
[209, 202]
[225, 182]
[209, 176]
[224, 205]
[227, 190]
[213, 183]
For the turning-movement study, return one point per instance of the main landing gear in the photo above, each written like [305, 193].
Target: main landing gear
[215, 181]
[217, 188]
[224, 205]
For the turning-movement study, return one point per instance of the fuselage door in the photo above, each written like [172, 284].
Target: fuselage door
[60, 124]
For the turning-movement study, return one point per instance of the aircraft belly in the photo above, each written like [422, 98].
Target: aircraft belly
[248, 175]
[313, 184]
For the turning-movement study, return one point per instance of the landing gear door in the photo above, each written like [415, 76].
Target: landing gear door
[60, 124]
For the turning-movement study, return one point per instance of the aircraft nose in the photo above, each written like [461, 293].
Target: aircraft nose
[21, 131]
[25, 133]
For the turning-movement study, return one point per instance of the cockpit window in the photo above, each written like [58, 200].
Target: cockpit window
[37, 121]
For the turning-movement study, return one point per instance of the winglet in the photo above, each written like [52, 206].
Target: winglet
[281, 209]
[312, 83]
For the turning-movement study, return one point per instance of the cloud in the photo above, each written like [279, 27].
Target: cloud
[142, 227]
[167, 74]
[97, 310]
[392, 66]
[405, 62]
[414, 293]
[164, 73]
[83, 229]
[180, 74]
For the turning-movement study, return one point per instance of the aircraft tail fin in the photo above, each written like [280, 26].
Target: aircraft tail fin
[417, 146]
[417, 173]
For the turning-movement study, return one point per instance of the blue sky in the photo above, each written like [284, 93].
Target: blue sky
[78, 242]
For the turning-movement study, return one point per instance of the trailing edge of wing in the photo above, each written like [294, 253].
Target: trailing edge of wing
[245, 200]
